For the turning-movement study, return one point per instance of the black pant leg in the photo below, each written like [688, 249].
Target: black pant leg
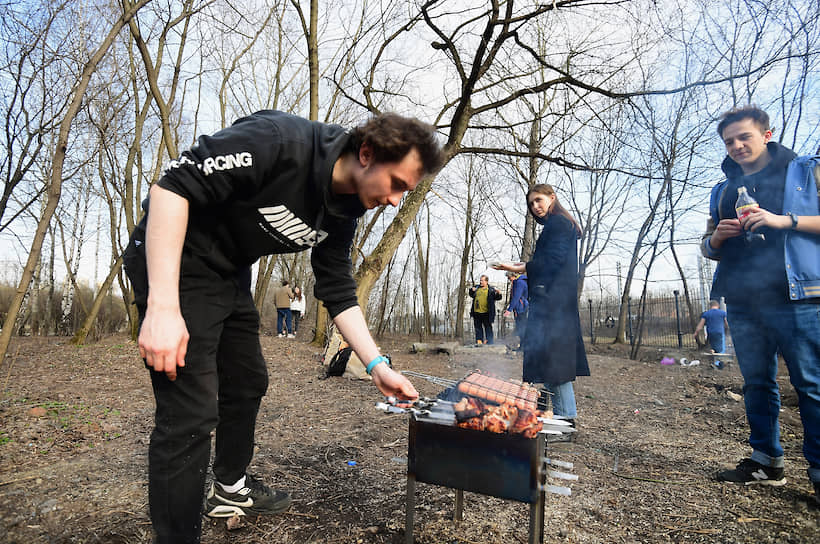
[186, 413]
[243, 381]
[488, 328]
[479, 327]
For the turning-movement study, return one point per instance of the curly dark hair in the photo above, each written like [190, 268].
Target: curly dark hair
[750, 111]
[392, 136]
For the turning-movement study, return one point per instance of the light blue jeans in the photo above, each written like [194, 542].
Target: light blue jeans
[563, 399]
[759, 334]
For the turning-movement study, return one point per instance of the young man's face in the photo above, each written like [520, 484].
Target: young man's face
[483, 281]
[746, 143]
[382, 183]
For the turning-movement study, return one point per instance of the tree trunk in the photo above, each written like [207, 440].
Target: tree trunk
[383, 301]
[102, 293]
[267, 263]
[322, 319]
[424, 269]
[620, 334]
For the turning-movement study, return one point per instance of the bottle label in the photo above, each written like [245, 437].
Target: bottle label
[746, 209]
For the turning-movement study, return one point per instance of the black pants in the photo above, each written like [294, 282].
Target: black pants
[483, 328]
[220, 387]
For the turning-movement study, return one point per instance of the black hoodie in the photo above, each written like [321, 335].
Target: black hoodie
[263, 186]
[754, 272]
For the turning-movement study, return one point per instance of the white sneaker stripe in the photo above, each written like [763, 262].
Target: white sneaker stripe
[760, 474]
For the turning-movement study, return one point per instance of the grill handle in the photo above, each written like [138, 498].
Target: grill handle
[556, 490]
[557, 463]
[562, 475]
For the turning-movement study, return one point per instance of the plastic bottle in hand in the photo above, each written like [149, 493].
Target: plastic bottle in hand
[743, 207]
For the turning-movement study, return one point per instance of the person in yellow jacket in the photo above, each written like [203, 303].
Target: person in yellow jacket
[483, 309]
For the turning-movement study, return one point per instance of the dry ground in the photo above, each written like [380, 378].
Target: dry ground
[74, 427]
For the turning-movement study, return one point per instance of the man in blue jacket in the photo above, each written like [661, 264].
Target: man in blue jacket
[771, 286]
[714, 319]
[271, 183]
[519, 302]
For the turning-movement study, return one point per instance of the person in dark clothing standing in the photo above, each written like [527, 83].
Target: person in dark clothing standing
[482, 309]
[270, 183]
[554, 352]
[771, 286]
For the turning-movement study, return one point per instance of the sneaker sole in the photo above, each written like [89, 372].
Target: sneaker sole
[773, 483]
[229, 511]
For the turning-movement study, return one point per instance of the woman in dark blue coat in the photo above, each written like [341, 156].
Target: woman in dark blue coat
[553, 346]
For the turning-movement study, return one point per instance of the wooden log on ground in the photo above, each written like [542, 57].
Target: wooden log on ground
[449, 348]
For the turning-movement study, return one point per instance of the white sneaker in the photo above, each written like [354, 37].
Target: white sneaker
[281, 335]
[291, 336]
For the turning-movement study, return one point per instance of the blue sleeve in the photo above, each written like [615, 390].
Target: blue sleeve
[517, 293]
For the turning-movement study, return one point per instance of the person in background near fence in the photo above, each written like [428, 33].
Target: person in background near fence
[554, 352]
[482, 310]
[281, 299]
[271, 183]
[518, 302]
[771, 286]
[715, 321]
[297, 307]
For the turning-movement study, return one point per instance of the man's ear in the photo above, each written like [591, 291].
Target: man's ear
[767, 136]
[365, 154]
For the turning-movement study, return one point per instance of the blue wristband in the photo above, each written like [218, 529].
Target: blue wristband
[372, 364]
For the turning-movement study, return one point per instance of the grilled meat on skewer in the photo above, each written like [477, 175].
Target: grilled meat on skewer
[497, 419]
[527, 424]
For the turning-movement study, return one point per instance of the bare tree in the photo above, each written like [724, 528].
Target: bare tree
[423, 262]
[55, 184]
[32, 104]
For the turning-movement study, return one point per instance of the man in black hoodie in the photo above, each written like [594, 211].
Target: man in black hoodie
[771, 284]
[270, 183]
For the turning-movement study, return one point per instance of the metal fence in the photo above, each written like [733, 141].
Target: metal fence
[666, 320]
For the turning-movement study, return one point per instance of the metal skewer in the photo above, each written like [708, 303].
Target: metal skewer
[432, 379]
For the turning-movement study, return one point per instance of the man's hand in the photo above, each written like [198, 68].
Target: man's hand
[727, 228]
[507, 313]
[163, 340]
[759, 217]
[391, 383]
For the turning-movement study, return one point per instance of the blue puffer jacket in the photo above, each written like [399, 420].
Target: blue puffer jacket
[802, 249]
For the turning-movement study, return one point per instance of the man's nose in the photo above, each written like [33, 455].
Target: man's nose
[395, 198]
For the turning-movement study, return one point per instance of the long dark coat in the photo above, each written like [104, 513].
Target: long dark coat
[553, 345]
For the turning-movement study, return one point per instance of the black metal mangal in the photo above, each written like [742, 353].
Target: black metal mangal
[500, 465]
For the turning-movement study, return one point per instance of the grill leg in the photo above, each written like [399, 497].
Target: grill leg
[537, 508]
[459, 505]
[537, 521]
[410, 506]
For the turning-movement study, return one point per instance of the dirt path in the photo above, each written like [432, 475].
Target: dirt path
[74, 427]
